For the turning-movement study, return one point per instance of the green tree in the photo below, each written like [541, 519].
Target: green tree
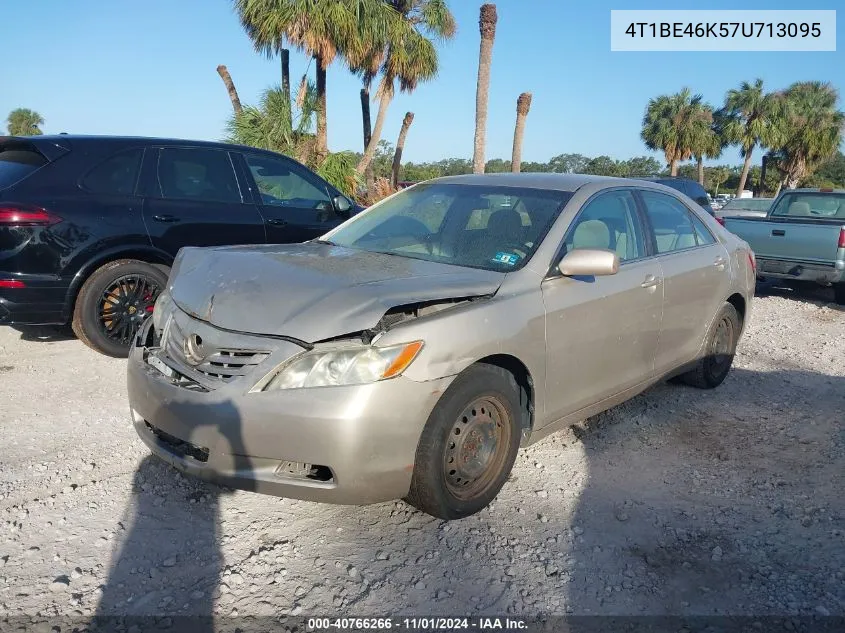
[641, 166]
[716, 177]
[604, 166]
[568, 163]
[813, 130]
[24, 122]
[322, 29]
[407, 55]
[707, 141]
[750, 118]
[831, 173]
[670, 125]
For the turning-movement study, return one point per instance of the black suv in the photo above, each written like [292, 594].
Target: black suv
[686, 186]
[90, 225]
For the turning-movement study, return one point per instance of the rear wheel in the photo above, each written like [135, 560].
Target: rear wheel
[114, 301]
[468, 445]
[720, 346]
[839, 293]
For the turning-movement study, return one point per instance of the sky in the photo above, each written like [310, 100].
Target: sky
[149, 68]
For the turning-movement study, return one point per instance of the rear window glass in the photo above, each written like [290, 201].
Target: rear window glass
[811, 205]
[17, 164]
[116, 175]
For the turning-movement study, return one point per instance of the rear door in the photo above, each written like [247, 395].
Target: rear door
[295, 203]
[195, 199]
[696, 276]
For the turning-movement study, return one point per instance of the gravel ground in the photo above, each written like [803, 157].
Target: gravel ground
[679, 502]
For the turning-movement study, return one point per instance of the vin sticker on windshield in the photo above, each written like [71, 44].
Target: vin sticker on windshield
[506, 258]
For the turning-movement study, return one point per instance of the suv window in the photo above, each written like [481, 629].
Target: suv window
[697, 193]
[671, 222]
[281, 183]
[17, 164]
[197, 174]
[116, 175]
[610, 222]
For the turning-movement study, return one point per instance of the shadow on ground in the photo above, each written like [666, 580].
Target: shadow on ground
[45, 333]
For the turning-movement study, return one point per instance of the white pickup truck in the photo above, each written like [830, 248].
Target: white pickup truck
[802, 237]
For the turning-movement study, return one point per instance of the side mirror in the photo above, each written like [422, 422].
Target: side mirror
[342, 205]
[589, 262]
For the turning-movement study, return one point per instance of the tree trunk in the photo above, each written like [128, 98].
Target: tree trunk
[673, 167]
[779, 187]
[370, 152]
[400, 145]
[700, 160]
[322, 145]
[285, 55]
[523, 105]
[487, 26]
[744, 175]
[230, 87]
[368, 132]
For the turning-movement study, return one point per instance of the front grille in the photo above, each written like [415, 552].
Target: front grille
[218, 363]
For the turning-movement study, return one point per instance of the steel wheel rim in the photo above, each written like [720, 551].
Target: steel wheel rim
[125, 304]
[721, 347]
[476, 447]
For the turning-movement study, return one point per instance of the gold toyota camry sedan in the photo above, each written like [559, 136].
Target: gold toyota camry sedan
[411, 351]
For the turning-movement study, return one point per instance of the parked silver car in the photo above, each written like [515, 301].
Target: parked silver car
[411, 351]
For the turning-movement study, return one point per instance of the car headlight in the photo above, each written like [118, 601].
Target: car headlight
[162, 309]
[341, 366]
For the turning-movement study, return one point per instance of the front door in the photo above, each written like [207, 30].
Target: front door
[295, 203]
[195, 200]
[602, 332]
[696, 283]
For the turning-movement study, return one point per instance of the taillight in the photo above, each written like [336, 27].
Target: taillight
[721, 221]
[841, 238]
[19, 215]
[11, 283]
[753, 261]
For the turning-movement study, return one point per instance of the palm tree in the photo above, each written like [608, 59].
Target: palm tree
[408, 56]
[24, 122]
[671, 124]
[487, 26]
[707, 142]
[523, 105]
[230, 88]
[400, 145]
[813, 130]
[750, 118]
[321, 29]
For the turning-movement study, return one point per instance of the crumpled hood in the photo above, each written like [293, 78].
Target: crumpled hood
[311, 291]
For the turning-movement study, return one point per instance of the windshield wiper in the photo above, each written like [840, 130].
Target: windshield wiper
[326, 242]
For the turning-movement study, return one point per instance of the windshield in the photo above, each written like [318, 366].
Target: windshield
[814, 205]
[494, 228]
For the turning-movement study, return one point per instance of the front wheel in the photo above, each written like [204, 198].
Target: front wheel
[113, 303]
[719, 348]
[468, 445]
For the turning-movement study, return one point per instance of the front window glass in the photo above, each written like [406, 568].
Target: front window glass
[495, 228]
[812, 205]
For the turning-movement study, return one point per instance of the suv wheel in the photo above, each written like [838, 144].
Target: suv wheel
[468, 445]
[114, 301]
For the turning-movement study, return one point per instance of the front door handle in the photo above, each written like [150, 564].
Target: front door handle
[778, 232]
[719, 263]
[650, 282]
[277, 222]
[165, 218]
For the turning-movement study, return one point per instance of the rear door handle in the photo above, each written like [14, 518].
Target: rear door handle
[277, 222]
[165, 218]
[719, 263]
[650, 282]
[778, 232]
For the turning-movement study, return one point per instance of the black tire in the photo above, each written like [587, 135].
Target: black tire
[839, 293]
[112, 289]
[439, 490]
[712, 369]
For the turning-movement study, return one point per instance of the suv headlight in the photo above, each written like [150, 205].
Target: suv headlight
[341, 366]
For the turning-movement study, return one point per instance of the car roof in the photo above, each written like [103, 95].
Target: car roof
[81, 139]
[815, 190]
[558, 182]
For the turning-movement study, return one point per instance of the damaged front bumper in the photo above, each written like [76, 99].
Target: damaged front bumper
[346, 444]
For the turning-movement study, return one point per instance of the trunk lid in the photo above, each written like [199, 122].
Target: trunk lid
[311, 291]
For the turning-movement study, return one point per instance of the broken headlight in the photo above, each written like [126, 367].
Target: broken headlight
[341, 366]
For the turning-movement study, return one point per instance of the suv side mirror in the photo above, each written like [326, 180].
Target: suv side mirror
[342, 205]
[589, 262]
